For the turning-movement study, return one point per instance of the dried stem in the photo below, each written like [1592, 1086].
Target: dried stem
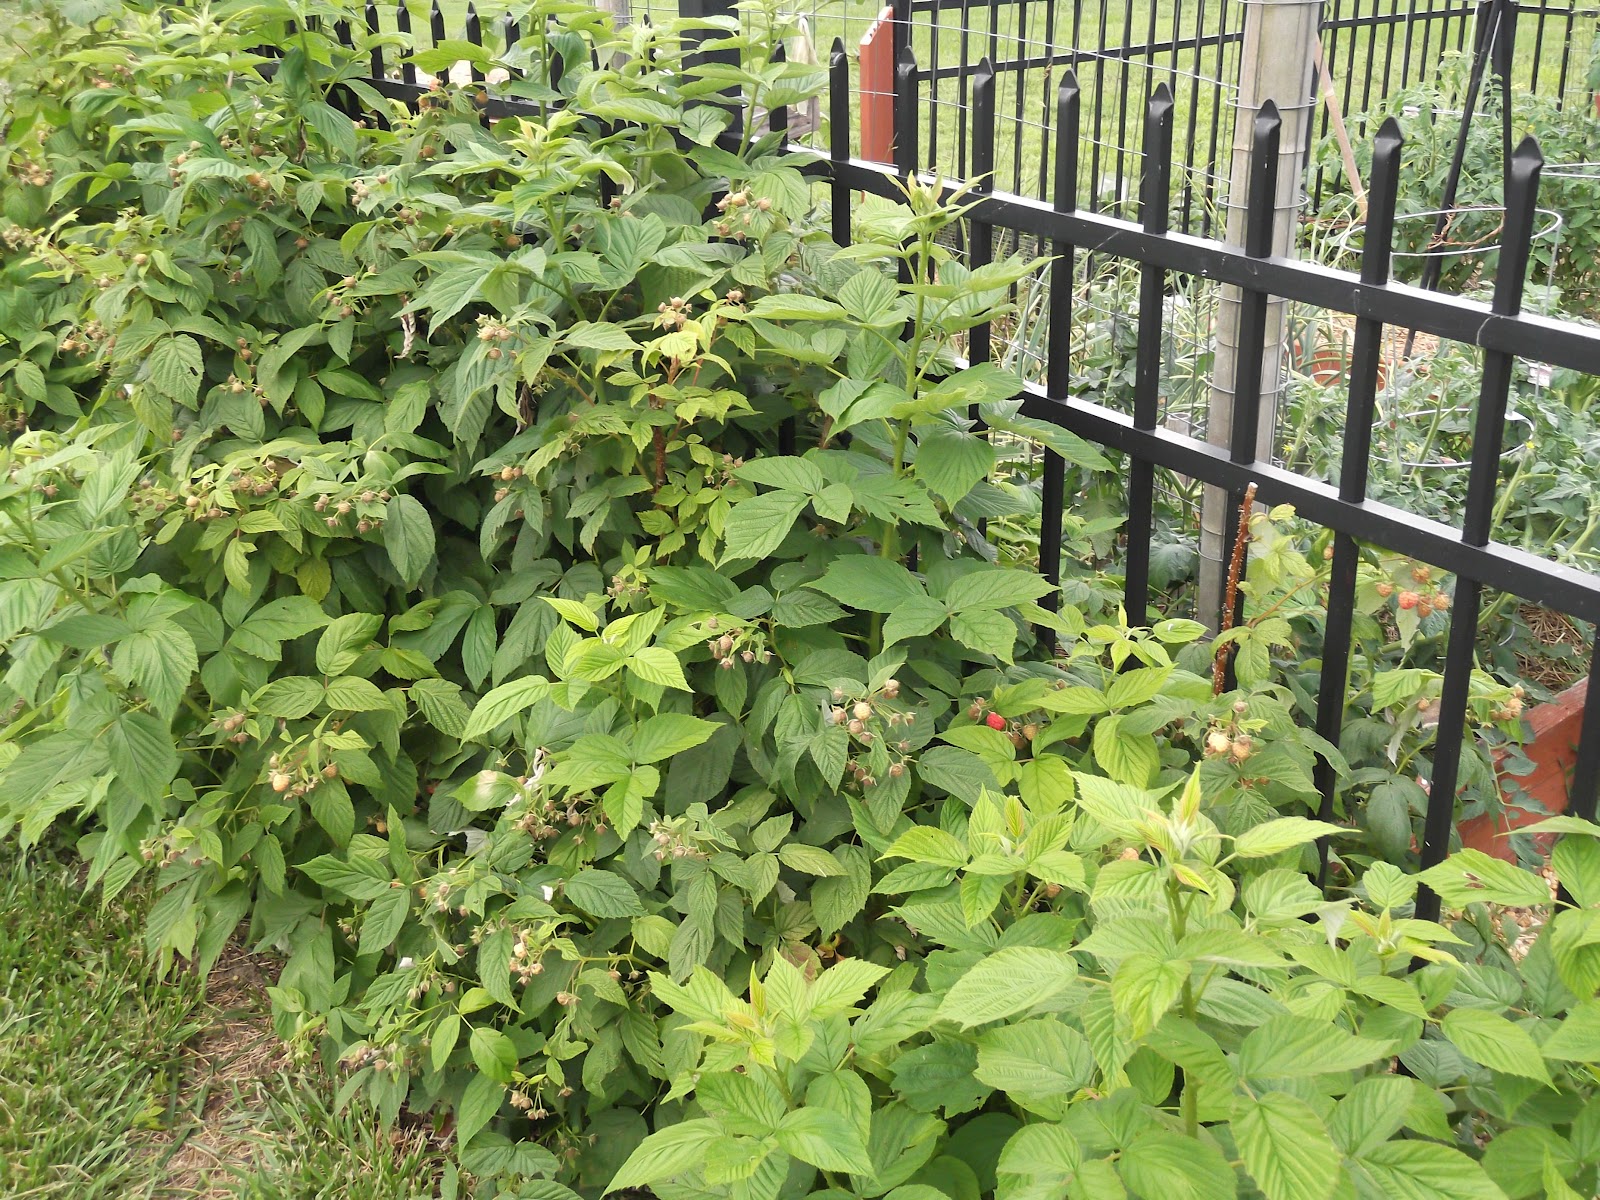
[1241, 539]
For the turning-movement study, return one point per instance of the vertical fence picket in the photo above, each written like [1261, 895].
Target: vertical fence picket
[1058, 350]
[905, 113]
[981, 253]
[1154, 204]
[778, 118]
[375, 59]
[436, 30]
[1250, 358]
[1584, 789]
[474, 32]
[402, 24]
[1366, 360]
[510, 35]
[1488, 435]
[905, 126]
[839, 140]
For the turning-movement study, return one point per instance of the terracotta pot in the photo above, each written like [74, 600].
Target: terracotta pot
[1331, 364]
[1552, 746]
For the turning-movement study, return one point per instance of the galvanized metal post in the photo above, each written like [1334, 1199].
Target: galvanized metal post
[1277, 62]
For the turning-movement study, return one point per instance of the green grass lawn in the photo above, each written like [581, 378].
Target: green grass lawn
[114, 1083]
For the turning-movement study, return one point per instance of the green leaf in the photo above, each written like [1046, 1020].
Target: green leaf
[993, 588]
[494, 1052]
[668, 734]
[443, 1038]
[756, 527]
[870, 583]
[176, 366]
[408, 536]
[162, 661]
[1297, 1047]
[331, 808]
[603, 894]
[677, 1149]
[478, 1106]
[1492, 1040]
[950, 463]
[345, 640]
[1038, 1064]
[1038, 1161]
[1472, 877]
[1144, 988]
[1371, 1112]
[1417, 1170]
[1284, 833]
[141, 750]
[825, 1139]
[837, 899]
[813, 860]
[784, 473]
[382, 922]
[793, 307]
[359, 878]
[1007, 982]
[660, 666]
[601, 335]
[493, 1155]
[449, 292]
[351, 694]
[1285, 1146]
[928, 844]
[503, 703]
[289, 698]
[1577, 1039]
[1160, 1163]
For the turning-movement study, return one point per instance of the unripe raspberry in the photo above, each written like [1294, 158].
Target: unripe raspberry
[1029, 732]
[1241, 707]
[1218, 742]
[1385, 589]
[896, 770]
[1422, 573]
[975, 712]
[1441, 602]
[891, 688]
[280, 782]
[862, 710]
[856, 727]
[995, 721]
[1241, 748]
[1408, 599]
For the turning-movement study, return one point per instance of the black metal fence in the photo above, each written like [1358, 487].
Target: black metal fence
[1500, 329]
[1163, 257]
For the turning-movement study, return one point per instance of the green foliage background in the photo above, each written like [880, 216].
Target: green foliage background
[397, 559]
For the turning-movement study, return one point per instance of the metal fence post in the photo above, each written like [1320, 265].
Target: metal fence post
[1276, 63]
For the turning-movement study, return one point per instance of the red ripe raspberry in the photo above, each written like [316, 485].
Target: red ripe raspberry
[995, 721]
[1408, 599]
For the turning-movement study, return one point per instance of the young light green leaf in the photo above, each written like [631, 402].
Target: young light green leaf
[1285, 1147]
[667, 1153]
[1284, 833]
[1488, 1038]
[1473, 877]
[1007, 982]
[825, 1139]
